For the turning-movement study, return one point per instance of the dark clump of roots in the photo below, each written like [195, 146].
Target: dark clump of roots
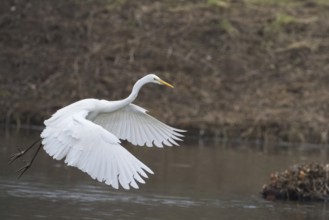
[305, 182]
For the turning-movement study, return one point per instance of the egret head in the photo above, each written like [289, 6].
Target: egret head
[155, 79]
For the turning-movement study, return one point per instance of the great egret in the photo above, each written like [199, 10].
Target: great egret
[87, 134]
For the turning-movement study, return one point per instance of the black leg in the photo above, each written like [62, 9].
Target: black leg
[28, 164]
[22, 152]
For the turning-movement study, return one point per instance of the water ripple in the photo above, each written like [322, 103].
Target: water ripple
[88, 193]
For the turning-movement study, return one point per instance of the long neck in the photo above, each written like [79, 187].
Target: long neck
[133, 95]
[115, 105]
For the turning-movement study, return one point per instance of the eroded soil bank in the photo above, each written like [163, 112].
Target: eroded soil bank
[249, 69]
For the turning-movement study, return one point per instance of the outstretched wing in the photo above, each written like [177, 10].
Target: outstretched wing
[133, 124]
[94, 150]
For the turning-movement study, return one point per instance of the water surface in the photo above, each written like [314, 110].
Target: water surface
[198, 180]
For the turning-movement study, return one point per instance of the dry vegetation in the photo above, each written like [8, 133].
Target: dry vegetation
[251, 69]
[304, 182]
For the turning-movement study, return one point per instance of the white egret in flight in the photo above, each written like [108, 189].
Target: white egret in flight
[87, 134]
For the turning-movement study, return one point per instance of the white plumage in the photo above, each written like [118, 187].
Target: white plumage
[87, 134]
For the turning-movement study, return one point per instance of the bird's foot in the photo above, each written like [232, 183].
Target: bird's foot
[17, 155]
[23, 169]
[21, 152]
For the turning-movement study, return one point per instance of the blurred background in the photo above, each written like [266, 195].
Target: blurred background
[254, 69]
[246, 72]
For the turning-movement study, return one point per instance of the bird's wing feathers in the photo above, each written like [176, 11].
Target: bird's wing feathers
[94, 150]
[132, 123]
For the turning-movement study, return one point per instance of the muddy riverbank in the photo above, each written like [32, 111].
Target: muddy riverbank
[248, 69]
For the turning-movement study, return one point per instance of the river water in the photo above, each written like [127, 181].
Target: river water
[201, 179]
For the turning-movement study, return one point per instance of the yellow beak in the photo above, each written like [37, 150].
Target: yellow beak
[165, 83]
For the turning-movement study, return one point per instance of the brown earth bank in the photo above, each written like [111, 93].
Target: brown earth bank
[256, 69]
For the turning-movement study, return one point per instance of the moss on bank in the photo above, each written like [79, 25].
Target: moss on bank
[250, 69]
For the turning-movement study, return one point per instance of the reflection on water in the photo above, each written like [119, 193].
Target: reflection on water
[199, 180]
